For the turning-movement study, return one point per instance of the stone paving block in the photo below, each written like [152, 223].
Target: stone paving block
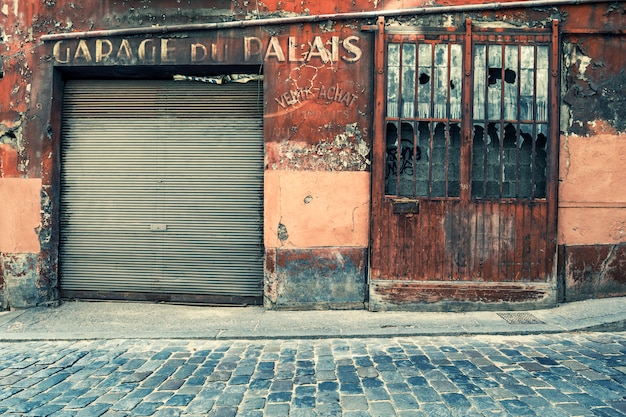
[307, 401]
[250, 413]
[350, 388]
[252, 403]
[229, 399]
[499, 393]
[353, 402]
[517, 408]
[223, 412]
[276, 410]
[200, 405]
[110, 397]
[93, 410]
[153, 381]
[260, 384]
[179, 400]
[398, 387]
[574, 409]
[168, 412]
[326, 375]
[146, 408]
[554, 396]
[281, 385]
[426, 394]
[436, 410]
[404, 402]
[81, 402]
[409, 413]
[444, 386]
[279, 397]
[535, 402]
[327, 397]
[381, 408]
[356, 413]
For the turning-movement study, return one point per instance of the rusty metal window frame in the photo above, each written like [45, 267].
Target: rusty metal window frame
[510, 115]
[408, 149]
[424, 81]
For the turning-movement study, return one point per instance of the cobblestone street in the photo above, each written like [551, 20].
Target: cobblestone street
[570, 374]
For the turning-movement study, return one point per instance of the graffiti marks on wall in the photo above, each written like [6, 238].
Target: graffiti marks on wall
[329, 93]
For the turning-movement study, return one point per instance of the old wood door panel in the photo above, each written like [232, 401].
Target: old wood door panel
[463, 208]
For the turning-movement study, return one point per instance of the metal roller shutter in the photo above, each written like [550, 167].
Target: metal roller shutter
[162, 188]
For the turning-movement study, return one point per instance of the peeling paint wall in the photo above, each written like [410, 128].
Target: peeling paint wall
[317, 128]
[592, 199]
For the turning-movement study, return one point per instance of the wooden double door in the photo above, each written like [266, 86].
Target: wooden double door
[464, 169]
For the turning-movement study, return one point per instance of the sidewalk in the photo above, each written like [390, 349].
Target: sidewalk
[124, 320]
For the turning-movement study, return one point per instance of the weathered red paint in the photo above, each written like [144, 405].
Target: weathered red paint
[594, 271]
[30, 126]
[442, 297]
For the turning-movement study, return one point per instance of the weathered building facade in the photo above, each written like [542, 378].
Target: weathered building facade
[372, 154]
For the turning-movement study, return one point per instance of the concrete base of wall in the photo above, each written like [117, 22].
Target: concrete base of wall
[22, 284]
[593, 271]
[319, 278]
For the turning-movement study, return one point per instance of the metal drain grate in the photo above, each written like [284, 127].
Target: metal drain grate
[520, 318]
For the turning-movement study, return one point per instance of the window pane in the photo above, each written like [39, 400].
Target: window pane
[479, 81]
[527, 82]
[542, 83]
[541, 157]
[479, 151]
[391, 169]
[393, 79]
[510, 82]
[494, 91]
[441, 81]
[408, 80]
[406, 168]
[424, 79]
[456, 80]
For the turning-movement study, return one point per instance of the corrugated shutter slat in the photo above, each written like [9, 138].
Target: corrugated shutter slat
[162, 188]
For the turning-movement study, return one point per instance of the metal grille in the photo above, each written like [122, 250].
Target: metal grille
[520, 318]
[510, 118]
[162, 187]
[423, 122]
[509, 114]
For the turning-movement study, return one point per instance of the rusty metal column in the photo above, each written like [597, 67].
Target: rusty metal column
[553, 143]
[465, 172]
[466, 117]
[378, 148]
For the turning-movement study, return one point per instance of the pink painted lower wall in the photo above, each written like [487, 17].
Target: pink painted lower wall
[592, 195]
[20, 215]
[592, 215]
[306, 209]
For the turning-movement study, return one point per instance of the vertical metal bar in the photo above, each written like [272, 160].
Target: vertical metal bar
[378, 148]
[552, 151]
[416, 116]
[533, 162]
[447, 127]
[466, 117]
[465, 160]
[486, 120]
[501, 131]
[400, 110]
[431, 123]
[518, 130]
